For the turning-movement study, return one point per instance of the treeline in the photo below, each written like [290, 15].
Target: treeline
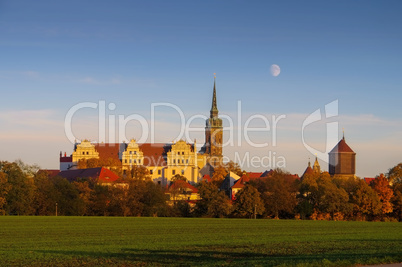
[25, 191]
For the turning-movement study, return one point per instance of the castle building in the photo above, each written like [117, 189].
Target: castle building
[342, 160]
[163, 161]
[213, 135]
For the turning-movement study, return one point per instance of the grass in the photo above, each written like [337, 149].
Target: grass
[115, 241]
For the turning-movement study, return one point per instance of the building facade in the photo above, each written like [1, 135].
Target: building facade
[163, 161]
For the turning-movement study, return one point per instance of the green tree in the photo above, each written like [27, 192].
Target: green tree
[397, 201]
[20, 196]
[45, 196]
[248, 202]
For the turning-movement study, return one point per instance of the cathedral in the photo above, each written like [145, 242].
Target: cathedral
[163, 161]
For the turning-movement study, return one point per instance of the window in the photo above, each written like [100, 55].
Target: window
[159, 172]
[187, 161]
[131, 152]
[182, 172]
[83, 153]
[182, 153]
[125, 161]
[139, 161]
[130, 160]
[87, 153]
[135, 161]
[174, 172]
[151, 171]
[135, 152]
[174, 161]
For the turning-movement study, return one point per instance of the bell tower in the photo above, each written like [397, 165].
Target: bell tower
[213, 134]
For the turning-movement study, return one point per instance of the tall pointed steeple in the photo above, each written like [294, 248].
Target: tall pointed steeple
[214, 108]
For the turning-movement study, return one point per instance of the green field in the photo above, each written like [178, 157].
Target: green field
[179, 241]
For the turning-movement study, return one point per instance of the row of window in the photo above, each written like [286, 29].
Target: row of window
[133, 161]
[135, 152]
[178, 161]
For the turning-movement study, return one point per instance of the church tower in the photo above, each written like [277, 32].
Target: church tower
[213, 134]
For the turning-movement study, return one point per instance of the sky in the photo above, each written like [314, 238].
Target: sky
[149, 65]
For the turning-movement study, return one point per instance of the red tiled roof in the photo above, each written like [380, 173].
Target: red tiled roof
[207, 178]
[101, 174]
[342, 147]
[253, 175]
[368, 180]
[308, 170]
[182, 184]
[154, 154]
[240, 183]
[108, 150]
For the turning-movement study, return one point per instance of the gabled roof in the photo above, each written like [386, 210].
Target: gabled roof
[181, 184]
[342, 147]
[242, 181]
[102, 175]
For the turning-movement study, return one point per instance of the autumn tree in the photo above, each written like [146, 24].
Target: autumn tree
[278, 193]
[395, 174]
[381, 186]
[219, 175]
[4, 188]
[233, 167]
[21, 193]
[45, 196]
[397, 201]
[213, 203]
[366, 203]
[139, 172]
[248, 202]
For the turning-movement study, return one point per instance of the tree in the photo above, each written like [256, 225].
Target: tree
[397, 201]
[395, 174]
[381, 185]
[4, 188]
[248, 202]
[140, 173]
[278, 193]
[45, 196]
[213, 203]
[219, 175]
[366, 203]
[21, 193]
[233, 167]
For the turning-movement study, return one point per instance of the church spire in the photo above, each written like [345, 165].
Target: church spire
[214, 108]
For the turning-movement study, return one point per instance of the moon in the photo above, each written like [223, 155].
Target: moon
[275, 70]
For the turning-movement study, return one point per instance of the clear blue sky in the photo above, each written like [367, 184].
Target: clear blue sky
[55, 54]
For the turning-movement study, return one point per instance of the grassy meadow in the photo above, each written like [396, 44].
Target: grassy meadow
[116, 241]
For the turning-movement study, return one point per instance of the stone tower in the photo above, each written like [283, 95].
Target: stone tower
[342, 160]
[213, 134]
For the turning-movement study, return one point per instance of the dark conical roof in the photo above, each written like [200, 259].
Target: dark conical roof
[342, 147]
[214, 108]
